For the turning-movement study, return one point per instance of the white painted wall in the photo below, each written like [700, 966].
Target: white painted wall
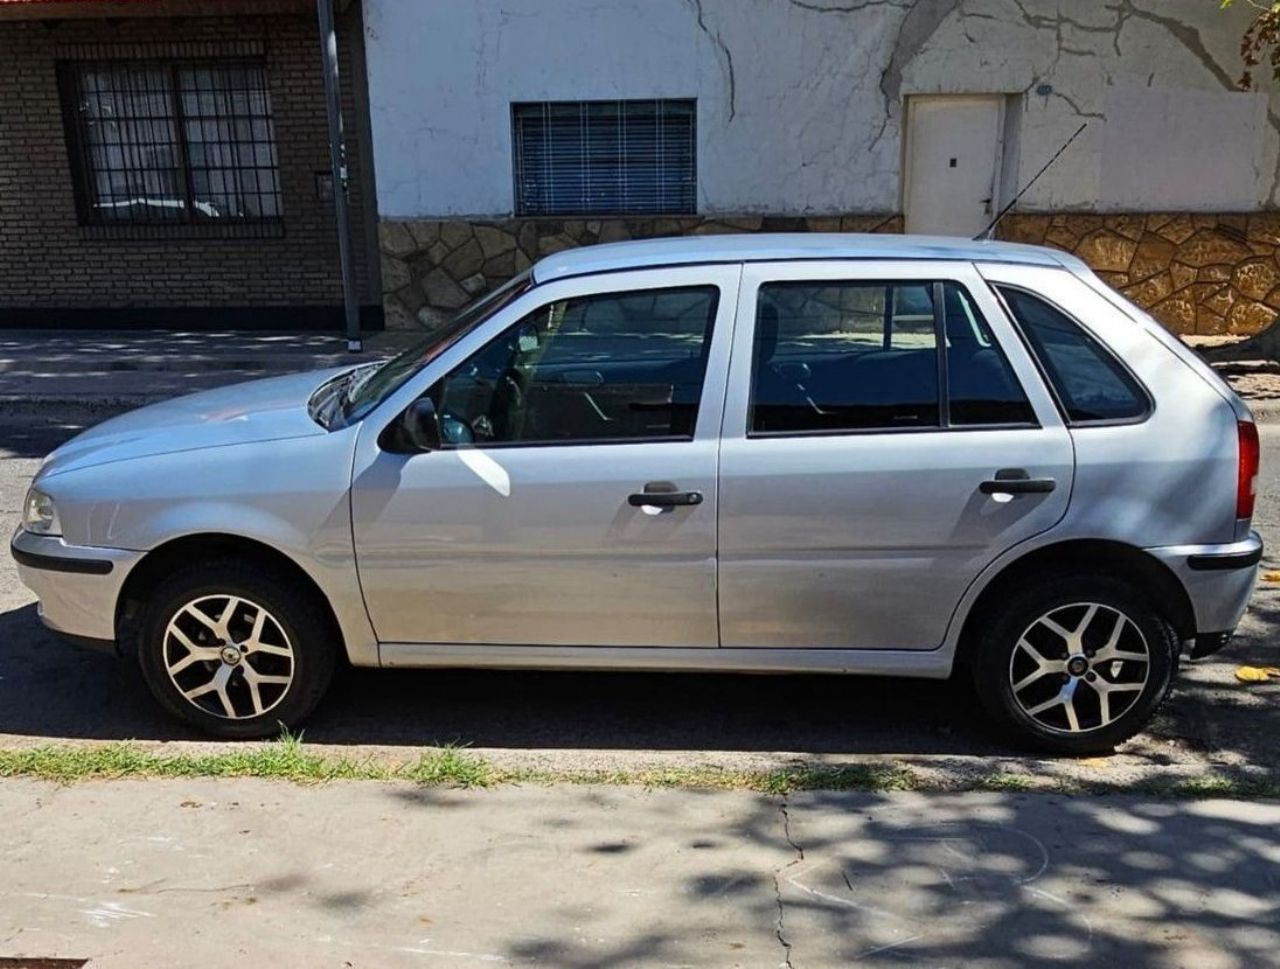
[799, 109]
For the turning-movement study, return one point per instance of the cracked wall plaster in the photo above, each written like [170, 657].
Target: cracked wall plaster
[1153, 78]
[800, 101]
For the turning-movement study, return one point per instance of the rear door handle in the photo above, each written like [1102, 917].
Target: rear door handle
[1016, 481]
[665, 499]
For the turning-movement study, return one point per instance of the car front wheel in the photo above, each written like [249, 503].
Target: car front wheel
[1076, 665]
[236, 649]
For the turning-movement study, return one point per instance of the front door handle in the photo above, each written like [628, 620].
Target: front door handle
[1016, 481]
[667, 497]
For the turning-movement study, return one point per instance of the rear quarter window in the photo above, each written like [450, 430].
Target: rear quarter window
[1091, 384]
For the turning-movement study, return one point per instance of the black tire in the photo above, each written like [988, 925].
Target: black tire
[994, 663]
[292, 605]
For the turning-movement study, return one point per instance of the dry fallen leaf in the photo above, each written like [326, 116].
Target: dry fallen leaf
[1271, 576]
[1257, 674]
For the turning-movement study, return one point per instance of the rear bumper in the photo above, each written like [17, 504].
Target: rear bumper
[78, 587]
[1219, 579]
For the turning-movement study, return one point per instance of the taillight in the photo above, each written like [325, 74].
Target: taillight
[1247, 476]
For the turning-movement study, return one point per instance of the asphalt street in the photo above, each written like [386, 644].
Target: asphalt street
[579, 720]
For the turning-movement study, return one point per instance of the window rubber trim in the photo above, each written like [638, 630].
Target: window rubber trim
[938, 290]
[923, 429]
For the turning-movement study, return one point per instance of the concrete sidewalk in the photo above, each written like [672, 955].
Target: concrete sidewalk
[102, 373]
[222, 873]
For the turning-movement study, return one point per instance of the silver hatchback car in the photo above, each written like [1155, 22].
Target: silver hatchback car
[775, 454]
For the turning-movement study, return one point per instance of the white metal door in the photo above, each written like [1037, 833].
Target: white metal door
[953, 163]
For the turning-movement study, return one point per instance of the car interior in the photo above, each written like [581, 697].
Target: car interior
[828, 357]
[831, 357]
[618, 366]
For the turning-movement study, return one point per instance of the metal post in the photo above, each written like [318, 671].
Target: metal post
[338, 164]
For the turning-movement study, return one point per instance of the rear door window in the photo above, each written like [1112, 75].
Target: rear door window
[854, 356]
[844, 356]
[981, 386]
[1091, 384]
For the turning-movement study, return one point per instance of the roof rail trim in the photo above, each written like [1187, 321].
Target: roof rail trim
[787, 247]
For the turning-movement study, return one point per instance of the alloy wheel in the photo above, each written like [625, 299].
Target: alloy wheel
[228, 656]
[1079, 667]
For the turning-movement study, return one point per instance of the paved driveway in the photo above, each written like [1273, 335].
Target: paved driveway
[578, 720]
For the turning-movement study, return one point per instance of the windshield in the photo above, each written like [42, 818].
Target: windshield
[370, 387]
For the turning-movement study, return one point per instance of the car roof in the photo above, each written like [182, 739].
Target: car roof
[781, 247]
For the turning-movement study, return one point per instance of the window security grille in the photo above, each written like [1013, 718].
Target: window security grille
[158, 143]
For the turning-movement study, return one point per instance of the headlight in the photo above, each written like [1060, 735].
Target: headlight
[38, 514]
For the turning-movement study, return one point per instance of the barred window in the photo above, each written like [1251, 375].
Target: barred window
[605, 157]
[162, 143]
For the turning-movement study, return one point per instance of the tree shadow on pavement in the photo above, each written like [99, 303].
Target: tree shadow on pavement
[992, 880]
[608, 877]
[1035, 880]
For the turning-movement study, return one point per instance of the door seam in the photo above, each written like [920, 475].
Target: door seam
[724, 407]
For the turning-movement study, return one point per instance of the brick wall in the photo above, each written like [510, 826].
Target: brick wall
[55, 272]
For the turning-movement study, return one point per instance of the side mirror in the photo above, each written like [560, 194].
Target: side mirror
[421, 425]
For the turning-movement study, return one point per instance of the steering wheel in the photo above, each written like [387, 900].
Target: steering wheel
[455, 430]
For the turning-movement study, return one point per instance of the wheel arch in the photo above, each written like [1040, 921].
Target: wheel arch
[1073, 557]
[162, 560]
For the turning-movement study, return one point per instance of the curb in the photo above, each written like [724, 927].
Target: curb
[85, 408]
[1265, 411]
[207, 364]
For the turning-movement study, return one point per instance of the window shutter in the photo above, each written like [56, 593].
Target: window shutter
[605, 157]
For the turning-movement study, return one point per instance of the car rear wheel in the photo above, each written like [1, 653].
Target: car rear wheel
[1076, 665]
[236, 649]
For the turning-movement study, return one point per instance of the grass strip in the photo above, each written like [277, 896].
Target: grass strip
[287, 759]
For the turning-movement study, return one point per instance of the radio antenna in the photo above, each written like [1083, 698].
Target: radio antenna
[986, 233]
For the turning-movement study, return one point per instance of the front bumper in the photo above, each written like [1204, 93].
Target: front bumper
[1219, 580]
[78, 587]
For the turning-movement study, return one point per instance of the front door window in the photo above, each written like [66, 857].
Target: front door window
[624, 367]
